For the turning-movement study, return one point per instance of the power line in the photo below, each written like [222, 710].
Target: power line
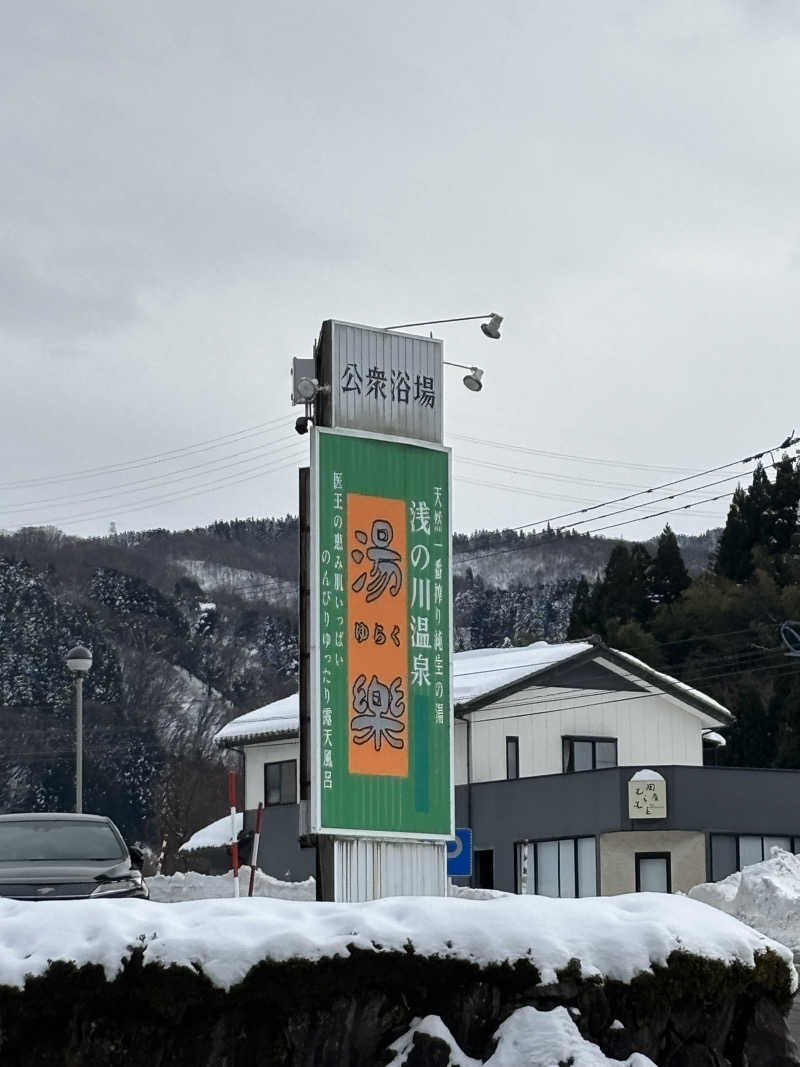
[657, 500]
[544, 474]
[507, 447]
[69, 520]
[567, 694]
[664, 485]
[705, 661]
[208, 467]
[638, 696]
[544, 663]
[587, 533]
[156, 457]
[555, 496]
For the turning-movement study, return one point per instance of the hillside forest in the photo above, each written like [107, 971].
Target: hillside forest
[190, 628]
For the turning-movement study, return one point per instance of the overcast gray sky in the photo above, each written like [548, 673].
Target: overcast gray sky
[188, 189]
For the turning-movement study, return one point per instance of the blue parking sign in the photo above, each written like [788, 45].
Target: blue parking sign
[459, 854]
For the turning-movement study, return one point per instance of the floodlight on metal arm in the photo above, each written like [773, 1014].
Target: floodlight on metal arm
[474, 380]
[305, 389]
[490, 328]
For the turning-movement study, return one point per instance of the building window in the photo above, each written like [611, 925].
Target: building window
[653, 872]
[512, 757]
[484, 868]
[589, 753]
[564, 867]
[731, 852]
[280, 782]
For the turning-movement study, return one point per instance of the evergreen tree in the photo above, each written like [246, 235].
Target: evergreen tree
[780, 532]
[758, 506]
[781, 519]
[624, 592]
[784, 711]
[610, 599]
[640, 604]
[669, 576]
[752, 737]
[580, 619]
[633, 638]
[732, 558]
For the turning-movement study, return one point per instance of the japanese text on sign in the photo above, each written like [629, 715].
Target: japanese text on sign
[647, 798]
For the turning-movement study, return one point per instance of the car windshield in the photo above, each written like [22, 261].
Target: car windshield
[57, 839]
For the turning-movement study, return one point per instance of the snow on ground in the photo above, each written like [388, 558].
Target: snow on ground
[614, 936]
[535, 1038]
[466, 892]
[172, 888]
[766, 896]
[215, 835]
[249, 585]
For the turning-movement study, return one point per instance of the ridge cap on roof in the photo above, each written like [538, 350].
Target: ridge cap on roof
[670, 680]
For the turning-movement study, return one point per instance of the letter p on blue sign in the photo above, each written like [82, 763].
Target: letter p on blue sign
[459, 854]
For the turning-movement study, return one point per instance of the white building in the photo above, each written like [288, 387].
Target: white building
[547, 741]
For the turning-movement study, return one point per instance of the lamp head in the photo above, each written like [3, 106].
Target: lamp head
[306, 388]
[473, 380]
[492, 327]
[79, 660]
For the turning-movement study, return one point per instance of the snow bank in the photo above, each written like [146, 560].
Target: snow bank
[170, 889]
[766, 896]
[215, 835]
[528, 1036]
[466, 892]
[618, 937]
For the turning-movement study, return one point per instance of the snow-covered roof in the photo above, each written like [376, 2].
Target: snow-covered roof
[214, 835]
[716, 709]
[279, 717]
[483, 670]
[713, 738]
[476, 674]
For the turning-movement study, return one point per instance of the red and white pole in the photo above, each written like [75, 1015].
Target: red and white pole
[254, 853]
[234, 838]
[161, 853]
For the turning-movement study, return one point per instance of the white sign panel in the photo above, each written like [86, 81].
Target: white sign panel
[647, 797]
[382, 381]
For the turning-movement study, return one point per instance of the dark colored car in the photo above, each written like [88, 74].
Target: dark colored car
[66, 857]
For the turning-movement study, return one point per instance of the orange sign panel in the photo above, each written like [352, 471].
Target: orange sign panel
[377, 643]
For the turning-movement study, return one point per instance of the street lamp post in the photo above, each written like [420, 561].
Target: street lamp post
[79, 662]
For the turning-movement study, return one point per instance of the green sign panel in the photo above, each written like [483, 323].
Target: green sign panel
[381, 708]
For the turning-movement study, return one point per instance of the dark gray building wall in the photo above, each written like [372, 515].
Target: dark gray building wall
[279, 852]
[711, 799]
[739, 800]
